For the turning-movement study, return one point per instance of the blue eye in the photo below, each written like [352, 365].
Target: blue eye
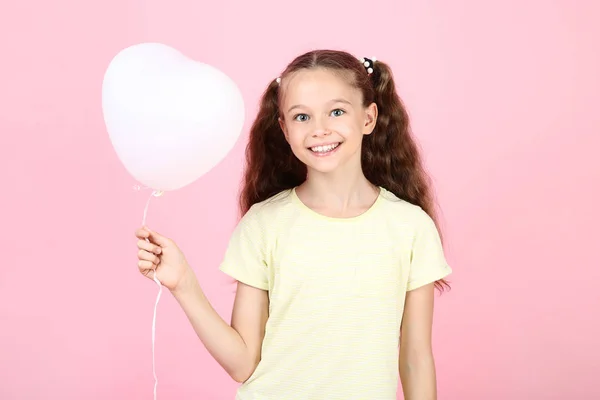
[338, 112]
[299, 119]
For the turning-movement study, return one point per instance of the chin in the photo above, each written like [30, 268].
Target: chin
[323, 165]
[320, 169]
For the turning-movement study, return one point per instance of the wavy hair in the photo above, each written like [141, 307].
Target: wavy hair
[390, 156]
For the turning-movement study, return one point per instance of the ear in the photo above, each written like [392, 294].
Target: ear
[371, 113]
[283, 128]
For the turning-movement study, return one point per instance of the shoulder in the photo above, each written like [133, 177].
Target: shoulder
[406, 221]
[404, 212]
[269, 212]
[270, 207]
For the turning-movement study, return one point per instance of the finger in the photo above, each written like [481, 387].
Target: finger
[148, 246]
[159, 239]
[143, 255]
[146, 267]
[148, 273]
[142, 233]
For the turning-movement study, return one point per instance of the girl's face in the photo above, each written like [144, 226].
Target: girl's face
[324, 120]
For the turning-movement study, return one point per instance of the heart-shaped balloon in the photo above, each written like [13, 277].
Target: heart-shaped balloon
[170, 119]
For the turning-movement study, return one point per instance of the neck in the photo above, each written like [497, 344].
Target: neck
[338, 190]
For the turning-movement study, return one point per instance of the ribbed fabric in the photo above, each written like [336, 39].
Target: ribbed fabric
[337, 288]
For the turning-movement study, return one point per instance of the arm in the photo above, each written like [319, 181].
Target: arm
[416, 362]
[237, 348]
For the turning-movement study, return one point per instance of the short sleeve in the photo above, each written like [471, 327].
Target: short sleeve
[245, 257]
[428, 263]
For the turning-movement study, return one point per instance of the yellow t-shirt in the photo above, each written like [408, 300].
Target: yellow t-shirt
[337, 288]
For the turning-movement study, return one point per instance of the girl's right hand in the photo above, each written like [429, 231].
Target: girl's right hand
[157, 253]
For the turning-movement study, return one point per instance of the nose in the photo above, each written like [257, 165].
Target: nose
[321, 133]
[321, 129]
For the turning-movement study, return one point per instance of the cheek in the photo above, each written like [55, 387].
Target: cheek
[349, 128]
[295, 137]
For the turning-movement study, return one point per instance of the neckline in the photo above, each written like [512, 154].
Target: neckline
[314, 213]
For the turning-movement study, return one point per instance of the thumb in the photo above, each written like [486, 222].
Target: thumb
[158, 239]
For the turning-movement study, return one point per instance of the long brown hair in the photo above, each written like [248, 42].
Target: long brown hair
[390, 155]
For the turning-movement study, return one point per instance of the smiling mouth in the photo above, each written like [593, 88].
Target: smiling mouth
[326, 149]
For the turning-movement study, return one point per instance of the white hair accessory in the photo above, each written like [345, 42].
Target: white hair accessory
[368, 63]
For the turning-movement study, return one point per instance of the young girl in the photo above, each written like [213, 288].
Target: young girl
[337, 253]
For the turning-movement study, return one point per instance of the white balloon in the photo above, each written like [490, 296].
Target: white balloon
[170, 119]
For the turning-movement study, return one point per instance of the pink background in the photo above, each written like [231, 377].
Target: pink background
[503, 96]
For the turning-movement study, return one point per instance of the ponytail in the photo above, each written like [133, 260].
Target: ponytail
[391, 157]
[270, 164]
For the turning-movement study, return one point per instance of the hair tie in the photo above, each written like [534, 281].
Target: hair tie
[368, 63]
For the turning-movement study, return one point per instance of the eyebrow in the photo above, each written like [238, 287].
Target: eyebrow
[340, 100]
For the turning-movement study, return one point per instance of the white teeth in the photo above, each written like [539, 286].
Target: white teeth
[324, 149]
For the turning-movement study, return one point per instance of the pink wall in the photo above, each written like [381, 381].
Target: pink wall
[504, 98]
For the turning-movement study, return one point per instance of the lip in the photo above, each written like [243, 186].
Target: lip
[323, 144]
[325, 154]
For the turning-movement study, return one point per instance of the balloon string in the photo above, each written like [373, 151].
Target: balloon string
[154, 194]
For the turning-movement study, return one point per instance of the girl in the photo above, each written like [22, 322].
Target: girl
[337, 253]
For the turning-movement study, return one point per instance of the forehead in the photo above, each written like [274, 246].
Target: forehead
[316, 86]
